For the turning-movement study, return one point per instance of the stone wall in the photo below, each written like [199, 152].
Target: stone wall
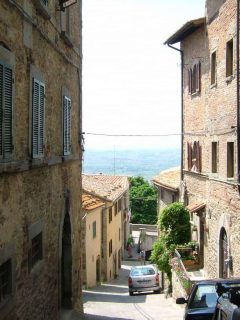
[40, 191]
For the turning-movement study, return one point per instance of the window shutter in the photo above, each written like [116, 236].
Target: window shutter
[198, 152]
[189, 147]
[38, 118]
[1, 110]
[190, 81]
[7, 115]
[198, 77]
[66, 125]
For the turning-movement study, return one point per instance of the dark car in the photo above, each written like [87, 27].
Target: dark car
[143, 278]
[228, 303]
[202, 301]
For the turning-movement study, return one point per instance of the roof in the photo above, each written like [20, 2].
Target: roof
[194, 207]
[169, 179]
[109, 188]
[185, 30]
[89, 202]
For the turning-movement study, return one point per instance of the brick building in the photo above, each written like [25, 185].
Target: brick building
[40, 158]
[209, 48]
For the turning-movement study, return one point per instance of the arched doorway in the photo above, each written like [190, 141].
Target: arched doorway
[66, 264]
[223, 254]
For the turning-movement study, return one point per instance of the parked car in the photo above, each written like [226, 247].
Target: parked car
[202, 301]
[143, 278]
[228, 304]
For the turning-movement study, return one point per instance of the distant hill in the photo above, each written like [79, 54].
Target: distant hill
[146, 163]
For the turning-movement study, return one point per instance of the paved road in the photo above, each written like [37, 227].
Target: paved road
[112, 301]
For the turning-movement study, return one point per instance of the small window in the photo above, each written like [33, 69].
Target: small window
[94, 229]
[116, 208]
[36, 251]
[119, 234]
[119, 205]
[173, 198]
[110, 247]
[6, 110]
[38, 106]
[229, 58]
[162, 194]
[5, 280]
[110, 215]
[194, 79]
[214, 157]
[213, 68]
[230, 159]
[66, 125]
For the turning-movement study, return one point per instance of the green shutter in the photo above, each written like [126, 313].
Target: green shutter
[1, 110]
[38, 118]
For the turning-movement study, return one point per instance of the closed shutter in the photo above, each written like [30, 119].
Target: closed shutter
[190, 81]
[38, 102]
[198, 157]
[198, 77]
[6, 110]
[1, 110]
[66, 125]
[189, 150]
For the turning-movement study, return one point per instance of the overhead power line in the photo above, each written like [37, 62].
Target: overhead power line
[131, 135]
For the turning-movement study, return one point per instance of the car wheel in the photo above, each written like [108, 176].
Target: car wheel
[130, 293]
[157, 291]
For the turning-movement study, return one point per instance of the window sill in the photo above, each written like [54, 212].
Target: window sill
[229, 79]
[66, 38]
[42, 9]
[213, 85]
[195, 94]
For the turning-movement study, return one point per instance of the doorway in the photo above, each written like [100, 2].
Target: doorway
[223, 254]
[66, 264]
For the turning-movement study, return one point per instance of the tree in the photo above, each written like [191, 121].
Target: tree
[143, 201]
[174, 225]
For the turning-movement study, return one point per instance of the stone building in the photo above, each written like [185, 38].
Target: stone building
[40, 158]
[209, 48]
[167, 184]
[114, 192]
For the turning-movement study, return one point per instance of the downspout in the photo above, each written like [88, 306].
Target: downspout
[238, 102]
[182, 126]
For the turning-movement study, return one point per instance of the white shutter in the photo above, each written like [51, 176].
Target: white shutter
[38, 102]
[66, 125]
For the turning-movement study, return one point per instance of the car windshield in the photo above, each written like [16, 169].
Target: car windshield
[144, 271]
[205, 296]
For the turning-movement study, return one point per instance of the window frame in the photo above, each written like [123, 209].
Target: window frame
[67, 125]
[213, 79]
[229, 58]
[38, 132]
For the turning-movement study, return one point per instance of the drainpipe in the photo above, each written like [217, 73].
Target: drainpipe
[182, 126]
[238, 102]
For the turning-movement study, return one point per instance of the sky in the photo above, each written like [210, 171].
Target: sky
[131, 80]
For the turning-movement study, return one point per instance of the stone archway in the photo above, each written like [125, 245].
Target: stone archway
[223, 254]
[66, 264]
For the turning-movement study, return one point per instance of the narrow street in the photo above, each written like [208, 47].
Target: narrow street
[112, 301]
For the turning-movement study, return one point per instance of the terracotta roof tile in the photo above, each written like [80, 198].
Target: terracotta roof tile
[104, 186]
[90, 202]
[168, 178]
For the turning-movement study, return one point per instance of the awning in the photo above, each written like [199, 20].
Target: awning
[194, 207]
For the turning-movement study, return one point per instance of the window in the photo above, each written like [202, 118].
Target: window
[42, 8]
[6, 110]
[230, 159]
[115, 208]
[194, 79]
[94, 225]
[66, 26]
[5, 280]
[36, 251]
[119, 205]
[194, 152]
[173, 198]
[38, 106]
[162, 194]
[213, 68]
[229, 58]
[110, 215]
[214, 157]
[119, 234]
[110, 247]
[66, 125]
